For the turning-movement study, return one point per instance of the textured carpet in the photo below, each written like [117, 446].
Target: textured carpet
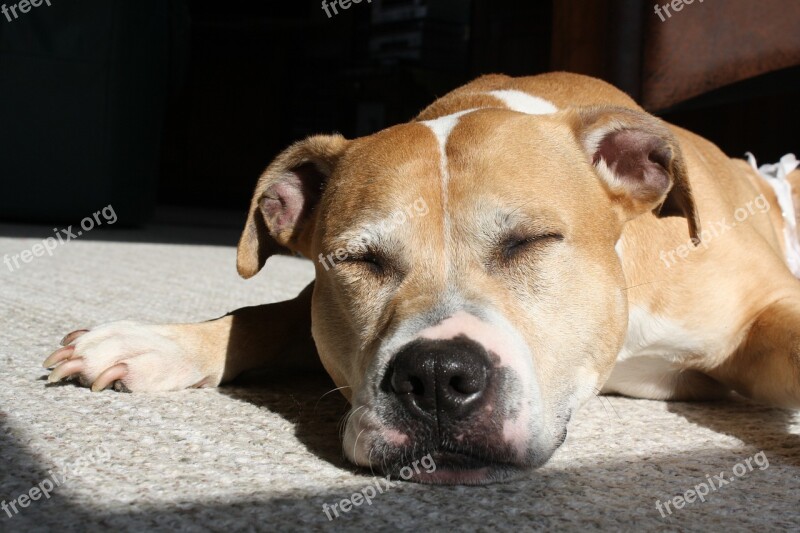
[266, 457]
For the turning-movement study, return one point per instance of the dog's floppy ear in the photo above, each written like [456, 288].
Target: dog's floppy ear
[639, 161]
[281, 219]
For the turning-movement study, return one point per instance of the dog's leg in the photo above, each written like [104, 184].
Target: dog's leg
[767, 366]
[657, 378]
[140, 357]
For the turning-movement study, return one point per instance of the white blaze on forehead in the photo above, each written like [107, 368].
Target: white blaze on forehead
[442, 128]
[524, 103]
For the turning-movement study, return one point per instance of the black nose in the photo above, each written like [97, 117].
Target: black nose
[440, 378]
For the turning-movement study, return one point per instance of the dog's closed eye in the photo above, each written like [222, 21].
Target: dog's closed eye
[374, 263]
[515, 245]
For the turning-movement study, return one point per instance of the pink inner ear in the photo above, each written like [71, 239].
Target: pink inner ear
[282, 206]
[639, 159]
[287, 203]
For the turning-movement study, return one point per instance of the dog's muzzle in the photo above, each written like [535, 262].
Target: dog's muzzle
[451, 399]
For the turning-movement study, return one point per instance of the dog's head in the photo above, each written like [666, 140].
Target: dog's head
[468, 295]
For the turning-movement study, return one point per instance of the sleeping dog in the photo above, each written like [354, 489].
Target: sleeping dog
[483, 270]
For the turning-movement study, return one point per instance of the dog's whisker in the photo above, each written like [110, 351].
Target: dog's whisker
[341, 422]
[355, 444]
[369, 459]
[610, 404]
[600, 399]
[383, 460]
[344, 423]
[642, 284]
[612, 407]
[362, 431]
[330, 391]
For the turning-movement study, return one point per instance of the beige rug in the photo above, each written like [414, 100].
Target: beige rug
[267, 457]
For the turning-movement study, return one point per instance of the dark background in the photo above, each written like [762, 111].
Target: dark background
[156, 104]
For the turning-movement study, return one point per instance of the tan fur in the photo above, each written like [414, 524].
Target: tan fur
[722, 316]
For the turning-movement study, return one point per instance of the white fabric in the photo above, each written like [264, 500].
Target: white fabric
[776, 177]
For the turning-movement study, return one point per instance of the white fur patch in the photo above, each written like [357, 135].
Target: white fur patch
[523, 102]
[652, 335]
[648, 366]
[618, 248]
[663, 359]
[442, 128]
[644, 377]
[655, 378]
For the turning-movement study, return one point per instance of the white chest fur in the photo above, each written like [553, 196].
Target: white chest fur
[652, 335]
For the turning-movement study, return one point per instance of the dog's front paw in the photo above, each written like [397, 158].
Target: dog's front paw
[133, 357]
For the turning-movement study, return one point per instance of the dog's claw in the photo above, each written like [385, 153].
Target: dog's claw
[59, 355]
[109, 376]
[69, 337]
[65, 370]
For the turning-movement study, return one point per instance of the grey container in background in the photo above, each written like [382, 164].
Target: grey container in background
[83, 89]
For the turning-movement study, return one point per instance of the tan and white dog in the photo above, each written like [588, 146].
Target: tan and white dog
[571, 244]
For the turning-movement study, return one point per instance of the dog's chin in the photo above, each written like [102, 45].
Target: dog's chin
[477, 476]
[454, 468]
